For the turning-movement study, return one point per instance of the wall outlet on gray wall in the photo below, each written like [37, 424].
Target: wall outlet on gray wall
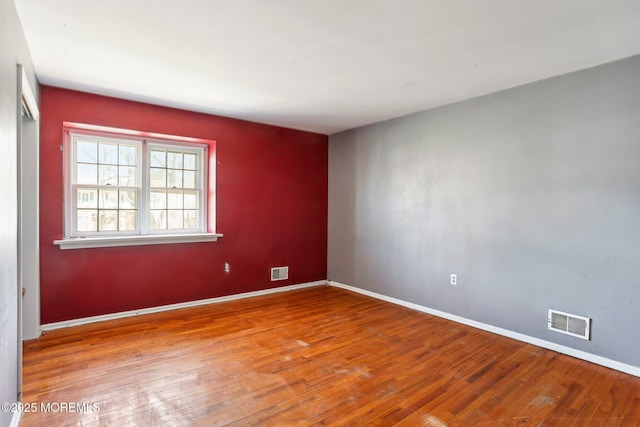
[454, 279]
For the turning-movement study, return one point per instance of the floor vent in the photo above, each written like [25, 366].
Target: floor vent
[570, 324]
[279, 273]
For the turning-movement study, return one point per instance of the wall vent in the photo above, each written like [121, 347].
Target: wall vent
[279, 273]
[570, 324]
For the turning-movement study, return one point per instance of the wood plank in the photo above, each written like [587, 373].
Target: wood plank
[317, 356]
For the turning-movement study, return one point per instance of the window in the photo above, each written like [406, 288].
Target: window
[175, 193]
[105, 185]
[125, 187]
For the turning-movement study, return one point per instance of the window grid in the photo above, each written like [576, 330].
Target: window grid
[174, 188]
[106, 185]
[131, 187]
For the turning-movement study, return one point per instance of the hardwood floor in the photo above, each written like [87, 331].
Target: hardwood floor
[318, 356]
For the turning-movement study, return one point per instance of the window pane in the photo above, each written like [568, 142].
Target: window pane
[108, 220]
[175, 220]
[87, 198]
[190, 200]
[158, 220]
[86, 220]
[108, 175]
[108, 199]
[158, 159]
[190, 161]
[189, 179]
[174, 200]
[87, 152]
[174, 178]
[191, 219]
[158, 200]
[174, 160]
[127, 221]
[127, 176]
[87, 174]
[158, 178]
[127, 155]
[128, 199]
[108, 153]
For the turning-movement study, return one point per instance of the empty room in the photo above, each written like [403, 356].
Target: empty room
[349, 212]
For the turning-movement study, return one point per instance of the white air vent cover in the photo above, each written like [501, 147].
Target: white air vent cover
[570, 324]
[279, 273]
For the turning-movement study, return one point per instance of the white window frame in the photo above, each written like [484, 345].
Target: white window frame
[71, 184]
[202, 152]
[143, 235]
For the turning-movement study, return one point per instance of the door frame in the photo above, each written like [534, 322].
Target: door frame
[27, 150]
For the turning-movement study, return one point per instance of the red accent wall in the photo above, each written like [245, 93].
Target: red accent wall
[271, 207]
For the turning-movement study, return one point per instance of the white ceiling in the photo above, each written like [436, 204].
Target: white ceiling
[319, 65]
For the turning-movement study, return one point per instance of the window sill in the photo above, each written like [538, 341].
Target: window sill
[111, 241]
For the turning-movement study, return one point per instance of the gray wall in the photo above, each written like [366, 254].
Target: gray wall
[13, 50]
[530, 195]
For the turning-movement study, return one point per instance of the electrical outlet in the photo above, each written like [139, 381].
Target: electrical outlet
[454, 279]
[227, 268]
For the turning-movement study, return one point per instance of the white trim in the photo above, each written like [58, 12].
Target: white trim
[132, 313]
[136, 240]
[589, 357]
[15, 419]
[28, 99]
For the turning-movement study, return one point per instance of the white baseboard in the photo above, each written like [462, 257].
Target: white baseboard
[589, 357]
[15, 420]
[131, 313]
